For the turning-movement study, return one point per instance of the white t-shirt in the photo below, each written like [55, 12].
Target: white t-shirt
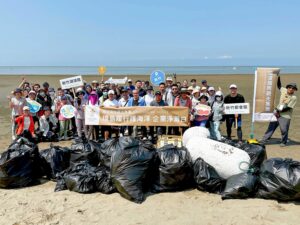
[26, 122]
[109, 103]
[148, 99]
[123, 102]
[18, 105]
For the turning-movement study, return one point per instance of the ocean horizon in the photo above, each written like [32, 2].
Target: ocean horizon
[138, 70]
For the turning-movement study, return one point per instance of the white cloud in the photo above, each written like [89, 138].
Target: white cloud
[225, 57]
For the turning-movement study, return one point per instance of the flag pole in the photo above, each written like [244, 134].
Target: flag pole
[253, 108]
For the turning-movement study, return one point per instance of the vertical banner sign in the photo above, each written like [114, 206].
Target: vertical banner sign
[265, 84]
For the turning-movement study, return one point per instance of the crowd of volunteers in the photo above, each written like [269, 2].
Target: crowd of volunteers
[49, 124]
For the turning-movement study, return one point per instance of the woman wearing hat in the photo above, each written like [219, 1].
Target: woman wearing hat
[200, 119]
[93, 130]
[16, 104]
[79, 105]
[195, 97]
[25, 124]
[283, 113]
[183, 99]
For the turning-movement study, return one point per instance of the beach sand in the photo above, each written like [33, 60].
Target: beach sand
[41, 205]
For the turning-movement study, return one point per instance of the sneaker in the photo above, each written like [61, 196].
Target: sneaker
[121, 135]
[262, 142]
[282, 145]
[150, 138]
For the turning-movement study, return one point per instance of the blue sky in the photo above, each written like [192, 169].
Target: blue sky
[157, 32]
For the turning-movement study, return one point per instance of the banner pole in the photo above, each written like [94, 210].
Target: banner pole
[253, 106]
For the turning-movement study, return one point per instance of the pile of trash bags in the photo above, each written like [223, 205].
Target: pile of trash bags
[135, 168]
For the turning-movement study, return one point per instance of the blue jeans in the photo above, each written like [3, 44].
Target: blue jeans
[215, 130]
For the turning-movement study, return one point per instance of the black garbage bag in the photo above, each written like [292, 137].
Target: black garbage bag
[85, 178]
[57, 159]
[83, 150]
[175, 169]
[20, 164]
[132, 168]
[240, 186]
[207, 178]
[256, 152]
[107, 149]
[279, 179]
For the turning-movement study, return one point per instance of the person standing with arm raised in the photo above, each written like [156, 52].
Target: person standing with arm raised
[283, 113]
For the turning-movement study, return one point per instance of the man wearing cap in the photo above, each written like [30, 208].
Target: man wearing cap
[211, 95]
[149, 96]
[110, 102]
[132, 87]
[16, 104]
[204, 84]
[194, 85]
[123, 102]
[283, 112]
[25, 124]
[232, 98]
[169, 82]
[158, 101]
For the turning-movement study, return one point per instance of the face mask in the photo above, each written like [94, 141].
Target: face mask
[42, 94]
[219, 98]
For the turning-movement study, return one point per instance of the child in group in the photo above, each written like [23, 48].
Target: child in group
[63, 122]
[217, 116]
[201, 118]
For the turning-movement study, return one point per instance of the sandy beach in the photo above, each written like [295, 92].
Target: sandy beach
[41, 205]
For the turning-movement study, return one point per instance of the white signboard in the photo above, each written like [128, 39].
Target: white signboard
[264, 117]
[116, 81]
[91, 114]
[237, 108]
[71, 82]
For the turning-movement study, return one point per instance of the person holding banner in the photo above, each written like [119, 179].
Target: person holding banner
[236, 119]
[283, 113]
[110, 102]
[136, 100]
[93, 130]
[149, 97]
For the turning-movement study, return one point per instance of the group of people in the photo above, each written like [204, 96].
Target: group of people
[49, 123]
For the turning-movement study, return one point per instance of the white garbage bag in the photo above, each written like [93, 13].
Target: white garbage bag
[227, 160]
[194, 132]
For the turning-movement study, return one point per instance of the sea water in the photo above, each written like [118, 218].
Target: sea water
[132, 70]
